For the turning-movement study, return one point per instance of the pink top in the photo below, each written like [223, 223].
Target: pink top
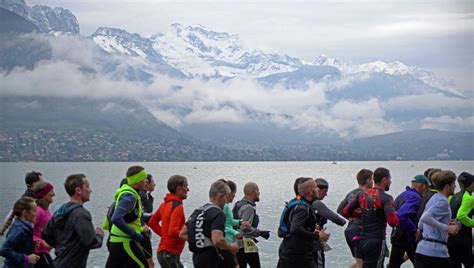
[42, 217]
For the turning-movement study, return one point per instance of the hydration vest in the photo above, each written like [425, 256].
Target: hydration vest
[285, 218]
[241, 203]
[134, 216]
[197, 224]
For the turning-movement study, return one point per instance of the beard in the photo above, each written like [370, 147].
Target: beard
[387, 188]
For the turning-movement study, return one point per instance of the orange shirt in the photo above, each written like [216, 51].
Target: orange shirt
[167, 222]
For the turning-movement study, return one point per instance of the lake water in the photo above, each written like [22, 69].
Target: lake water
[274, 178]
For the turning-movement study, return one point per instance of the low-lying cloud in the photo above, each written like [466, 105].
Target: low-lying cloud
[194, 101]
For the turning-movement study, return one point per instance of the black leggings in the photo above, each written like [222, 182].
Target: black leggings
[126, 254]
[423, 261]
[252, 259]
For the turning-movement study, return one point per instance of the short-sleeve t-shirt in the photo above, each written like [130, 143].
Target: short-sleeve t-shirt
[213, 220]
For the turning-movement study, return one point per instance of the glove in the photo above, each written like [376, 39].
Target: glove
[265, 234]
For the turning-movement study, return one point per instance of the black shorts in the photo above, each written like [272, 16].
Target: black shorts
[353, 244]
[208, 258]
[372, 252]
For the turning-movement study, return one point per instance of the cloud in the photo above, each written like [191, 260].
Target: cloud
[194, 101]
[427, 102]
[449, 123]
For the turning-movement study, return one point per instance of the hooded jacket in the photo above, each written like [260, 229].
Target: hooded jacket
[18, 244]
[167, 222]
[71, 233]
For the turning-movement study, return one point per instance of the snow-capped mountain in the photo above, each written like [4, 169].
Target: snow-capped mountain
[395, 68]
[121, 42]
[196, 50]
[47, 19]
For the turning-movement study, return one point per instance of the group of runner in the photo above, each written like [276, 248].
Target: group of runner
[432, 226]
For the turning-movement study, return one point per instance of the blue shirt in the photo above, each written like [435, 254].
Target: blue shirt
[434, 224]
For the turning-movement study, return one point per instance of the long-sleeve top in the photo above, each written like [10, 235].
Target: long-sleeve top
[406, 204]
[42, 217]
[323, 214]
[124, 206]
[167, 222]
[230, 222]
[18, 244]
[376, 211]
[464, 212]
[299, 242]
[247, 212]
[434, 224]
[71, 233]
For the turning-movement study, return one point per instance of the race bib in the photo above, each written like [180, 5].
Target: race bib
[249, 245]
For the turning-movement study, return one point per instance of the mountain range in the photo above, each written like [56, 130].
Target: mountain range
[205, 89]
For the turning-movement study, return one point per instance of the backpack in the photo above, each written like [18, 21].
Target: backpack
[197, 240]
[284, 228]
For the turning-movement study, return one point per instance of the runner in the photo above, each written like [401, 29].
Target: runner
[403, 237]
[376, 210]
[70, 230]
[168, 221]
[296, 249]
[323, 214]
[31, 179]
[18, 247]
[127, 230]
[205, 229]
[147, 203]
[462, 209]
[245, 210]
[432, 250]
[354, 228]
[44, 193]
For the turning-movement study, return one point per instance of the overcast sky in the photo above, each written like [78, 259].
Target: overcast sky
[437, 35]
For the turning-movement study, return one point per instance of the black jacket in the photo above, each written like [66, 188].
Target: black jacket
[71, 233]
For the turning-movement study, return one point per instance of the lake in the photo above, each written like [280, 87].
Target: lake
[275, 180]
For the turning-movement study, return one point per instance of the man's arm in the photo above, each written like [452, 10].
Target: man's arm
[125, 204]
[217, 231]
[183, 234]
[246, 213]
[154, 222]
[427, 217]
[467, 204]
[350, 209]
[299, 215]
[90, 237]
[390, 212]
[176, 221]
[325, 212]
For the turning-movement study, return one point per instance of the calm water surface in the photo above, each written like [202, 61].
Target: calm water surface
[274, 178]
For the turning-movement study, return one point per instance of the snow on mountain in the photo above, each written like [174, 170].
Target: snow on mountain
[395, 68]
[118, 41]
[197, 50]
[47, 19]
